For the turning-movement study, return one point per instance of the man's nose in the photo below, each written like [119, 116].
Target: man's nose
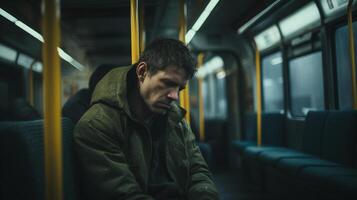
[173, 95]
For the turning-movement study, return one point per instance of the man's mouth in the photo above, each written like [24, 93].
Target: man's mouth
[164, 105]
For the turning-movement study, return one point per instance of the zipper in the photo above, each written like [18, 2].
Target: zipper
[148, 136]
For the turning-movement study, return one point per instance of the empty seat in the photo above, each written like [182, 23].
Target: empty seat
[22, 164]
[312, 134]
[330, 171]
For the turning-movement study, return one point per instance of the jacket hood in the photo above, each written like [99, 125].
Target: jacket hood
[112, 90]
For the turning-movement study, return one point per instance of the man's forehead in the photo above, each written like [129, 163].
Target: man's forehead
[176, 74]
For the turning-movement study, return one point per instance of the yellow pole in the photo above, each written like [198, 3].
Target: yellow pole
[52, 100]
[30, 84]
[259, 97]
[200, 97]
[352, 54]
[142, 28]
[184, 94]
[134, 31]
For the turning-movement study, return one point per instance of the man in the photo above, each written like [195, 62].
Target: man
[133, 142]
[79, 103]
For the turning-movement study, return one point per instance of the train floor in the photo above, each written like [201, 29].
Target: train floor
[231, 186]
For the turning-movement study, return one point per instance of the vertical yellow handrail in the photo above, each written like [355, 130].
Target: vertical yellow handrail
[259, 96]
[30, 84]
[134, 24]
[52, 100]
[184, 94]
[200, 102]
[142, 27]
[352, 53]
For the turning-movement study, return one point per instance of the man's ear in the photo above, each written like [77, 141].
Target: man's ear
[141, 71]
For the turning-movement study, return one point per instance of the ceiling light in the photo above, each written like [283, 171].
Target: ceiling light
[38, 36]
[267, 38]
[306, 18]
[201, 19]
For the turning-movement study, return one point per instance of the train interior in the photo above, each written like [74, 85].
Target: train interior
[273, 103]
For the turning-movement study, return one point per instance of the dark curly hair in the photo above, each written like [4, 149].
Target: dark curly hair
[164, 52]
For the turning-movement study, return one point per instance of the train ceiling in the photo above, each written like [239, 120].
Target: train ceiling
[99, 30]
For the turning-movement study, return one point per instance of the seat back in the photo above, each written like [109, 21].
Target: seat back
[313, 131]
[22, 166]
[250, 126]
[272, 129]
[339, 138]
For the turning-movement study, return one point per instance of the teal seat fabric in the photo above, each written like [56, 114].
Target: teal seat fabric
[295, 165]
[340, 138]
[239, 146]
[22, 160]
[313, 132]
[274, 156]
[22, 167]
[312, 135]
[338, 180]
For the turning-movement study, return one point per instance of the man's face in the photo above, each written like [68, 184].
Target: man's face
[160, 89]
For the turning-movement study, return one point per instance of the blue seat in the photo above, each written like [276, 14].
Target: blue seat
[339, 145]
[22, 164]
[272, 139]
[312, 134]
[272, 136]
[250, 134]
[330, 170]
[336, 145]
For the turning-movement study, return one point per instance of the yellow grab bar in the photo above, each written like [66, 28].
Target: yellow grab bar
[52, 101]
[259, 96]
[184, 94]
[134, 31]
[200, 103]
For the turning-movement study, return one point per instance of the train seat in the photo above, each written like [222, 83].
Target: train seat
[22, 165]
[339, 132]
[272, 126]
[311, 146]
[272, 135]
[334, 170]
[250, 134]
[272, 139]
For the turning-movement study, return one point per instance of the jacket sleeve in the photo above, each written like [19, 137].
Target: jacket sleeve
[201, 186]
[102, 166]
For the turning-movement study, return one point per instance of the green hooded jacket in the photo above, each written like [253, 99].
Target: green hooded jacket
[114, 149]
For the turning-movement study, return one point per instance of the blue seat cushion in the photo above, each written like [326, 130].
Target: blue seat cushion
[335, 179]
[274, 156]
[295, 165]
[254, 151]
[327, 171]
[239, 146]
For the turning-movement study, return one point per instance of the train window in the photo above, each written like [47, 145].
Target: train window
[306, 84]
[343, 66]
[213, 88]
[7, 53]
[305, 19]
[273, 83]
